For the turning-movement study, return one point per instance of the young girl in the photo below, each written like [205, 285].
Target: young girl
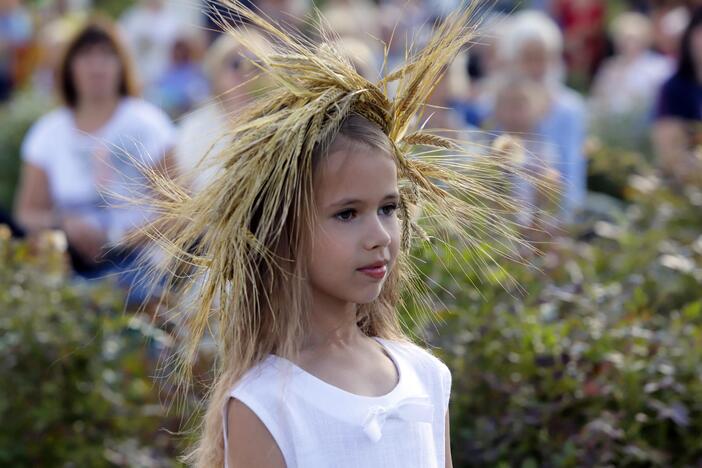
[298, 250]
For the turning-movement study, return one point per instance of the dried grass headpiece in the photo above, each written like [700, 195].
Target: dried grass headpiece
[221, 241]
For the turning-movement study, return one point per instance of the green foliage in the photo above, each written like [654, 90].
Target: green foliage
[15, 119]
[598, 361]
[113, 8]
[77, 387]
[618, 148]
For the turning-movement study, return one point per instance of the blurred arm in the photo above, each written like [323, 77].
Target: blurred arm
[33, 205]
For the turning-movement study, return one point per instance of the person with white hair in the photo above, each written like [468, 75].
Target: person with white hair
[532, 46]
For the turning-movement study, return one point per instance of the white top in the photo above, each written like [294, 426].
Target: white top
[622, 87]
[89, 174]
[316, 424]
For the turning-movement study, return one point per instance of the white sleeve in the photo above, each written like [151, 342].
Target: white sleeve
[446, 380]
[159, 133]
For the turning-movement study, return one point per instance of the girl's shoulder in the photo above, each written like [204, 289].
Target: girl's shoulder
[422, 360]
[410, 349]
[260, 376]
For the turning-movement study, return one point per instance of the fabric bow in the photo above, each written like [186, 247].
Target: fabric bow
[419, 409]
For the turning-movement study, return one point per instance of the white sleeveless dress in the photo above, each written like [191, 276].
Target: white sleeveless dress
[317, 425]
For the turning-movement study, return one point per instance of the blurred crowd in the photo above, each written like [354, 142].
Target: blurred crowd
[151, 91]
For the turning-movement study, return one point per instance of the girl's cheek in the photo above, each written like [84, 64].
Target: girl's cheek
[395, 234]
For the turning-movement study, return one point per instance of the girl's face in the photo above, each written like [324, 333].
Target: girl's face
[356, 236]
[96, 72]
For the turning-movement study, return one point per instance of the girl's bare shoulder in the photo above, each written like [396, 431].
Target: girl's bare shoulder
[249, 441]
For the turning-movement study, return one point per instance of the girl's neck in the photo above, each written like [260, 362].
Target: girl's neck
[332, 323]
[92, 115]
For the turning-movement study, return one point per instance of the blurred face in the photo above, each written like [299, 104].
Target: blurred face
[629, 44]
[514, 111]
[356, 237]
[96, 72]
[228, 82]
[534, 60]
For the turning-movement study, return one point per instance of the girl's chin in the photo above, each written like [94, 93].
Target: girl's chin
[366, 299]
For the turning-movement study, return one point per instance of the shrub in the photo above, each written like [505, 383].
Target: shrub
[598, 360]
[77, 387]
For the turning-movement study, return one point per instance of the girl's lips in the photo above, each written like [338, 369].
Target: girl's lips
[377, 272]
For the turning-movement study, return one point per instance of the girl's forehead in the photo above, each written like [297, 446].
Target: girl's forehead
[358, 169]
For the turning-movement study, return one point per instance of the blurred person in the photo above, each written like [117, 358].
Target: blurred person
[669, 23]
[520, 104]
[15, 37]
[626, 86]
[81, 160]
[532, 46]
[183, 86]
[583, 25]
[233, 85]
[150, 29]
[678, 128]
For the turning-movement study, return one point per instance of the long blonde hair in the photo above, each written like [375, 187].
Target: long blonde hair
[274, 320]
[235, 246]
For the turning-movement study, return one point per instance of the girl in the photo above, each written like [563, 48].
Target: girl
[298, 250]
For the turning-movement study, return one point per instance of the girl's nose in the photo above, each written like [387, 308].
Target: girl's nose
[377, 234]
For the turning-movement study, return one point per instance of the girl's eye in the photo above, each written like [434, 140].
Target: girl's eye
[389, 210]
[346, 215]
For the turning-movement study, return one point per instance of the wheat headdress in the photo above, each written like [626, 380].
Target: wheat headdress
[219, 238]
[269, 156]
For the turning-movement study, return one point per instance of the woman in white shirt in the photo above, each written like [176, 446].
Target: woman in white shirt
[81, 160]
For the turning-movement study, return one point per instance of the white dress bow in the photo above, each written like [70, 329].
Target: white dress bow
[419, 409]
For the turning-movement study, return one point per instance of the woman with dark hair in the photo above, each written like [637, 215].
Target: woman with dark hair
[82, 160]
[679, 112]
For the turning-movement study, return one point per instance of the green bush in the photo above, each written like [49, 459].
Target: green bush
[76, 377]
[598, 361]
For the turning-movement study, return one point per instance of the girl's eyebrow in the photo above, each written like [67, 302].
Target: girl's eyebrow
[354, 201]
